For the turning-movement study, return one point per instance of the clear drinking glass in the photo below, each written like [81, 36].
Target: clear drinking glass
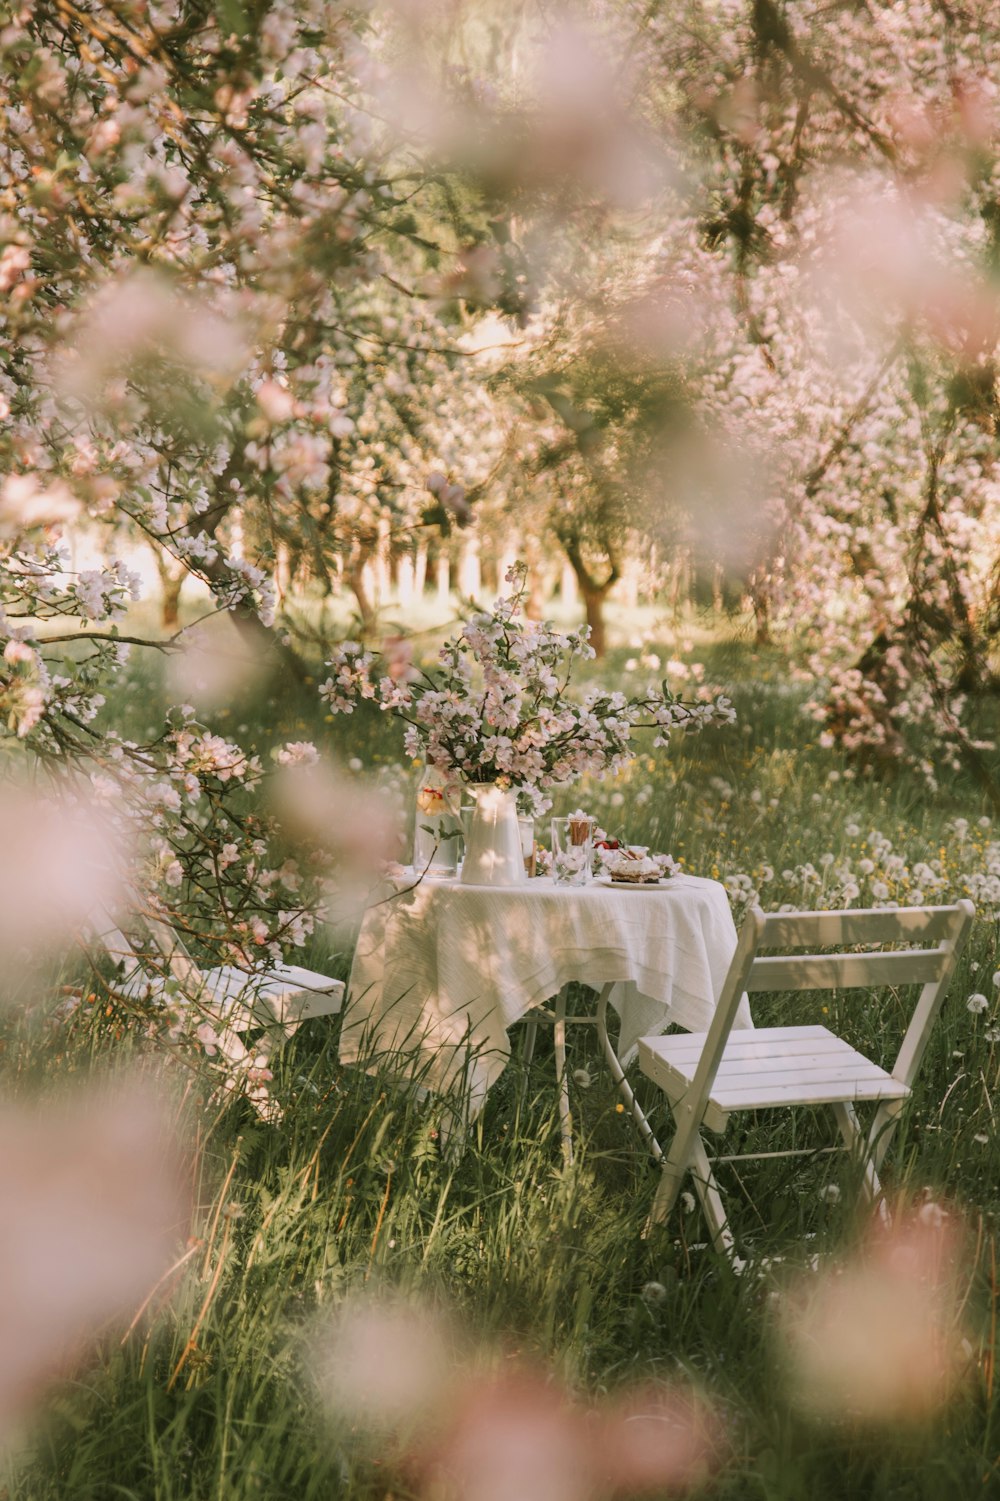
[572, 850]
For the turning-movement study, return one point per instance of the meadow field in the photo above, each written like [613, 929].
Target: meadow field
[213, 1394]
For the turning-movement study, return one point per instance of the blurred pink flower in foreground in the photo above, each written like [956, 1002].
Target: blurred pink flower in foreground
[94, 1212]
[583, 126]
[517, 1435]
[398, 653]
[562, 122]
[878, 1338]
[522, 1435]
[891, 258]
[383, 1365]
[34, 500]
[213, 668]
[653, 1439]
[60, 862]
[338, 815]
[143, 316]
[461, 1430]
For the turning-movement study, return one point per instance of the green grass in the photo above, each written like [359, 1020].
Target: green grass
[351, 1192]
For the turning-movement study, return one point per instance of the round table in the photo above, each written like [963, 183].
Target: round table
[442, 969]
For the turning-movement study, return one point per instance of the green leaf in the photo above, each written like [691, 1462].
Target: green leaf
[232, 17]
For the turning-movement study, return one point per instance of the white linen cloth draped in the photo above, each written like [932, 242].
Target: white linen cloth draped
[442, 970]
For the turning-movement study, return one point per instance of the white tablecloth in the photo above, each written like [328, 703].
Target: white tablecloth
[442, 970]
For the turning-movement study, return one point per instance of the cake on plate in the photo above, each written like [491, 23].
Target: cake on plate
[633, 867]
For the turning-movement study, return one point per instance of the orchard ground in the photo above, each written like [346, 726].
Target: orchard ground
[351, 1191]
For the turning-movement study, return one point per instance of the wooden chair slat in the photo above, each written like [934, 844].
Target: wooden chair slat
[844, 1084]
[847, 971]
[745, 1074]
[791, 1042]
[805, 1065]
[884, 925]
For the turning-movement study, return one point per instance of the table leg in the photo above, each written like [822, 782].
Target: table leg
[562, 1079]
[530, 1038]
[618, 1074]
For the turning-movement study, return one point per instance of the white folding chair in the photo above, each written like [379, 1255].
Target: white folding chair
[706, 1076]
[233, 1000]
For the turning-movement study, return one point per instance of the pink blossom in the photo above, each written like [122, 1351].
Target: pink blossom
[94, 1214]
[878, 1338]
[62, 861]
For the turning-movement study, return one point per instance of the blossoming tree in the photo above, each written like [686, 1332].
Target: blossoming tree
[747, 254]
[200, 243]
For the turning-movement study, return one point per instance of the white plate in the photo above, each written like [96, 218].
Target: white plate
[632, 885]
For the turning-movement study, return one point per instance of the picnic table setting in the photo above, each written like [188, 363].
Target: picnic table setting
[445, 966]
[453, 951]
[489, 922]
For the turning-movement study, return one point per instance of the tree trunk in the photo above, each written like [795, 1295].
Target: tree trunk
[593, 590]
[443, 580]
[470, 578]
[172, 575]
[760, 603]
[170, 601]
[593, 603]
[534, 604]
[245, 617]
[355, 575]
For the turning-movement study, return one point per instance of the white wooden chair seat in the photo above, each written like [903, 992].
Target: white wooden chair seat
[291, 993]
[235, 1000]
[768, 1067]
[285, 993]
[706, 1076]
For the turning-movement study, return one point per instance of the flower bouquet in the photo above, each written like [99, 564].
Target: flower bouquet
[498, 712]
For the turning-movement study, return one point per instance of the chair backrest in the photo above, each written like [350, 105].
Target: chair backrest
[169, 956]
[945, 929]
[168, 944]
[114, 942]
[934, 925]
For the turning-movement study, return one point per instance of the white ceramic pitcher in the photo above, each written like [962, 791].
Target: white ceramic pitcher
[493, 840]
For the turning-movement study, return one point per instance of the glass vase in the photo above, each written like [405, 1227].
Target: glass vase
[436, 828]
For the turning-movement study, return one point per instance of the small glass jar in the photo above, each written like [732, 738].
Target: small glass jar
[572, 850]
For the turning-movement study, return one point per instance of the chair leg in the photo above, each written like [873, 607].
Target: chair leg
[231, 1045]
[235, 1051]
[713, 1208]
[562, 1080]
[685, 1153]
[675, 1165]
[884, 1129]
[863, 1147]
